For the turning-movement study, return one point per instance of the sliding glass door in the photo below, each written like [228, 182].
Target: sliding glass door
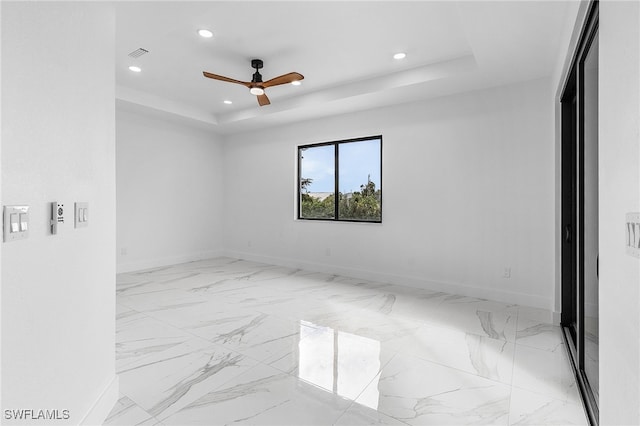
[580, 261]
[589, 191]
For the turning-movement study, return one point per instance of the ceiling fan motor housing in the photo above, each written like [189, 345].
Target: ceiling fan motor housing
[257, 77]
[256, 63]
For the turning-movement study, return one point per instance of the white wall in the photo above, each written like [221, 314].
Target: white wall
[468, 189]
[58, 144]
[619, 152]
[0, 199]
[169, 190]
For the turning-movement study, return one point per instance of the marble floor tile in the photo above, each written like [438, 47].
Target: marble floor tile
[528, 408]
[138, 336]
[420, 392]
[166, 298]
[360, 415]
[126, 412]
[323, 351]
[482, 317]
[140, 287]
[258, 335]
[121, 310]
[545, 372]
[481, 355]
[538, 335]
[340, 362]
[228, 341]
[542, 316]
[365, 323]
[263, 396]
[415, 304]
[163, 385]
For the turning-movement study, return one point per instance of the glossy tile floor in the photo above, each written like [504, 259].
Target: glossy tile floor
[227, 341]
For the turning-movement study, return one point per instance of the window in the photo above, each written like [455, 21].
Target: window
[352, 169]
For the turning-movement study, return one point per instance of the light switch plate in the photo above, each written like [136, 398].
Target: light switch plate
[20, 229]
[82, 215]
[632, 234]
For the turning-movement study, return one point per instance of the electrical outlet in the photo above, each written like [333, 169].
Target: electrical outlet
[507, 272]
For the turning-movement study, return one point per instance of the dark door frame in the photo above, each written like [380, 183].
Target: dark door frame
[572, 208]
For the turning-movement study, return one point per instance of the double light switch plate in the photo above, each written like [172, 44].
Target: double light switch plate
[633, 234]
[16, 223]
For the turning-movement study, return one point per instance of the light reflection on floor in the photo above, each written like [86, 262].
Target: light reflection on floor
[338, 361]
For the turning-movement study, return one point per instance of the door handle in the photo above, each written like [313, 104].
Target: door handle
[598, 266]
[567, 233]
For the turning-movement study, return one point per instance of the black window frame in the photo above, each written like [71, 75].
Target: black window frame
[336, 145]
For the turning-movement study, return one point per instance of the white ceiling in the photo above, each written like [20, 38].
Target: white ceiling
[344, 50]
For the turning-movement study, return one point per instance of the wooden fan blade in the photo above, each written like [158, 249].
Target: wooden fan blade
[263, 100]
[227, 79]
[283, 79]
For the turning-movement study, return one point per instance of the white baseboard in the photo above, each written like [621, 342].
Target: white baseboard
[140, 265]
[409, 281]
[102, 407]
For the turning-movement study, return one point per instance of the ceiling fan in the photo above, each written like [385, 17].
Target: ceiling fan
[256, 85]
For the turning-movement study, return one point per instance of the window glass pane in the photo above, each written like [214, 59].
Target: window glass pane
[317, 182]
[360, 196]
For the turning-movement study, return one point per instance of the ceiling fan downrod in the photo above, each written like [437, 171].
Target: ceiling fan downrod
[257, 64]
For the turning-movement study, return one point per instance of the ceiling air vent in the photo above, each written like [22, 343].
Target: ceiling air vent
[138, 52]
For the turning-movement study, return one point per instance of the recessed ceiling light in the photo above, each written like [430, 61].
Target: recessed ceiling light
[135, 69]
[400, 55]
[205, 33]
[296, 83]
[228, 102]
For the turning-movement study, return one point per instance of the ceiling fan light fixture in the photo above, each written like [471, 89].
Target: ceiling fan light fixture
[205, 33]
[400, 55]
[256, 86]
